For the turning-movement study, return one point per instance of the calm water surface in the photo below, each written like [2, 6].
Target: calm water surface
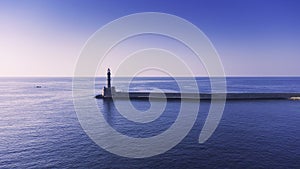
[39, 127]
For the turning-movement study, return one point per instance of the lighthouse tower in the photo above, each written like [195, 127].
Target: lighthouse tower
[109, 90]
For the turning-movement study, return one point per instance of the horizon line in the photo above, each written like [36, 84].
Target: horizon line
[147, 76]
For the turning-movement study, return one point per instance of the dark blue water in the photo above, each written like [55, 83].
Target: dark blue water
[39, 127]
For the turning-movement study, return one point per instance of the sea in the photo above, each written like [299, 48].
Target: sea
[40, 128]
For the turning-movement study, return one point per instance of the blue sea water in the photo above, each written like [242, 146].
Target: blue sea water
[39, 127]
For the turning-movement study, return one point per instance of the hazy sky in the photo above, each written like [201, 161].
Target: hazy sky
[252, 37]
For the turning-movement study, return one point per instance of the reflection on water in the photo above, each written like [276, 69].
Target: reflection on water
[135, 129]
[39, 129]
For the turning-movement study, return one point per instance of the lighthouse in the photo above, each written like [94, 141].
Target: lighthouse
[108, 78]
[109, 90]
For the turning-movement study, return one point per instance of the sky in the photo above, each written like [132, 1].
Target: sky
[252, 37]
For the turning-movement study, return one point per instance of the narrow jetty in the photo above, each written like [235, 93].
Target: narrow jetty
[110, 92]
